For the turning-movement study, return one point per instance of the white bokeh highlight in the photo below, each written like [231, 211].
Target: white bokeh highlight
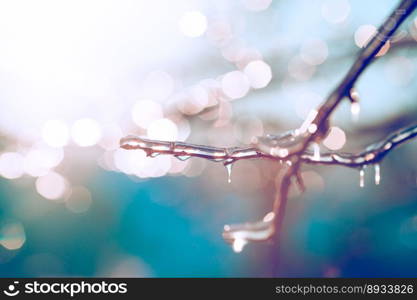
[51, 186]
[259, 74]
[163, 129]
[145, 112]
[235, 84]
[55, 133]
[86, 132]
[193, 24]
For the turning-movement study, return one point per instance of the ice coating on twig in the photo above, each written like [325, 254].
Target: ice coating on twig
[240, 234]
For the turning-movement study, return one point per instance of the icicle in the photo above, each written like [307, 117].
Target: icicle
[362, 177]
[238, 245]
[229, 172]
[307, 122]
[182, 157]
[377, 174]
[228, 164]
[316, 151]
[355, 109]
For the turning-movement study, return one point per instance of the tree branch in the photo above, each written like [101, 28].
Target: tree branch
[293, 146]
[374, 153]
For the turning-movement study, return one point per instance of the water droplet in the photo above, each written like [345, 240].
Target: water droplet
[269, 217]
[362, 177]
[316, 151]
[377, 174]
[238, 245]
[229, 172]
[154, 154]
[388, 146]
[182, 157]
[369, 156]
[355, 109]
[312, 128]
[277, 151]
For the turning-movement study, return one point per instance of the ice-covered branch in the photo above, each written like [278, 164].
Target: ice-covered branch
[184, 151]
[294, 146]
[372, 154]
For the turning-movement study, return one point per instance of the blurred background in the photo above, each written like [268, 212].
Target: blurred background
[76, 76]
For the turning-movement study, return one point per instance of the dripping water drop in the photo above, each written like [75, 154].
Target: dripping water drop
[316, 151]
[182, 157]
[355, 109]
[362, 177]
[377, 174]
[238, 245]
[229, 172]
